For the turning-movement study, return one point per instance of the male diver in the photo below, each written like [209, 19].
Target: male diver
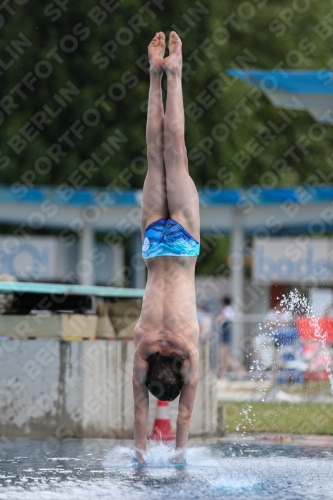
[166, 335]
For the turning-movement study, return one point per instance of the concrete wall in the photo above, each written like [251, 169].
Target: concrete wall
[83, 389]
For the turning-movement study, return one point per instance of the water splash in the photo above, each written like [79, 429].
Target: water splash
[159, 454]
[119, 456]
[268, 357]
[299, 305]
[291, 306]
[266, 471]
[200, 456]
[229, 485]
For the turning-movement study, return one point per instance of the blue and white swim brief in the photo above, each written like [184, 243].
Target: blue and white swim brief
[166, 237]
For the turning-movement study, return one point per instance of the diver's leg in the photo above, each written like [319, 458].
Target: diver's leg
[154, 204]
[183, 203]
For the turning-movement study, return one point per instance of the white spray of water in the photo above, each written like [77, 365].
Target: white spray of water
[159, 454]
[298, 304]
[292, 305]
[229, 485]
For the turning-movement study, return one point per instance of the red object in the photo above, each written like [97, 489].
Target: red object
[317, 376]
[162, 429]
[316, 333]
[319, 360]
[316, 329]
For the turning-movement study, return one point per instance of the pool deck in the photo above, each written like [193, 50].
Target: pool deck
[257, 390]
[271, 438]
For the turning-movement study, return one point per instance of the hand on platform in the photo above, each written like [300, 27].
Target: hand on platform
[139, 457]
[179, 458]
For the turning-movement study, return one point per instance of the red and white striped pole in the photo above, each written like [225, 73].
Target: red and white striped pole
[162, 429]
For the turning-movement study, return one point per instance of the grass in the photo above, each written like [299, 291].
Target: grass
[285, 418]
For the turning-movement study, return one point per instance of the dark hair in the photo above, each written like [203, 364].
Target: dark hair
[164, 380]
[226, 300]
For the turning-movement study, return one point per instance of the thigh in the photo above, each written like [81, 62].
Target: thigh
[220, 335]
[154, 199]
[183, 200]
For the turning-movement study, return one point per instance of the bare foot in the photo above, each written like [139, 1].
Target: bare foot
[173, 63]
[156, 51]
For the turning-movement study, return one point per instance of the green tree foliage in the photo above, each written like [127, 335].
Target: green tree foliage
[99, 49]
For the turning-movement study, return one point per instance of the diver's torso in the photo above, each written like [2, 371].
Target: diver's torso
[169, 306]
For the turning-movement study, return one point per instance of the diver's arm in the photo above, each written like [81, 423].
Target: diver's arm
[141, 406]
[186, 402]
[140, 418]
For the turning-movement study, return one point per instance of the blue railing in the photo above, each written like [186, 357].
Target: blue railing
[318, 81]
[208, 196]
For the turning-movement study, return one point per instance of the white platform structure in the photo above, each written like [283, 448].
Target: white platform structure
[310, 90]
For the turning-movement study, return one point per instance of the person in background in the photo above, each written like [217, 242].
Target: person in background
[224, 324]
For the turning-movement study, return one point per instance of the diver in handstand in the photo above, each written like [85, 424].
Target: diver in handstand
[166, 335]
